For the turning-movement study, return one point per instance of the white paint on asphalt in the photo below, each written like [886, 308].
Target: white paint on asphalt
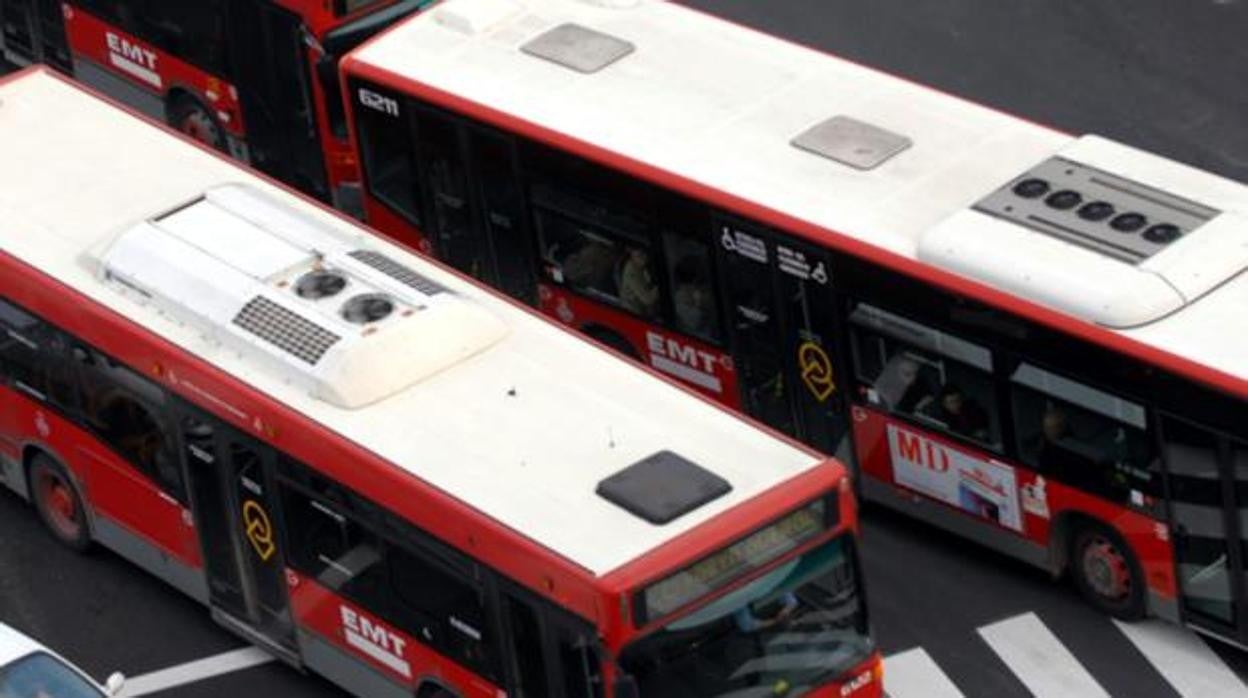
[913, 674]
[199, 670]
[1039, 659]
[1185, 660]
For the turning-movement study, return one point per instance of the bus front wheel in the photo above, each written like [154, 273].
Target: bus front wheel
[59, 506]
[1107, 573]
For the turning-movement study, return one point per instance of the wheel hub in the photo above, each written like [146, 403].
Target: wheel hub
[1106, 570]
[61, 505]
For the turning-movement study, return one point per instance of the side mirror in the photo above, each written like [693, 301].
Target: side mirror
[114, 683]
[625, 686]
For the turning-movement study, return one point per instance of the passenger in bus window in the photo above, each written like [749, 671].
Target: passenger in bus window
[591, 266]
[1054, 428]
[959, 413]
[778, 611]
[638, 291]
[903, 385]
[692, 299]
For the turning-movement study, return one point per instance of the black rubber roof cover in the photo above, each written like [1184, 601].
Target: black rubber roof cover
[663, 487]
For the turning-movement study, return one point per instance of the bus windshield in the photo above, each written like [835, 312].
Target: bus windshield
[794, 628]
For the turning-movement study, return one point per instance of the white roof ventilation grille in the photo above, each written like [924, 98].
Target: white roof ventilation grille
[297, 295]
[1097, 210]
[403, 274]
[579, 48]
[301, 338]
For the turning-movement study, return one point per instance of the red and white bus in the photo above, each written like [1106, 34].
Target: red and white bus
[255, 78]
[375, 468]
[1029, 338]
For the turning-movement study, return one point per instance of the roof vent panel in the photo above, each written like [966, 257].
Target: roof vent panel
[580, 48]
[399, 272]
[285, 329]
[222, 233]
[1097, 210]
[852, 142]
[662, 487]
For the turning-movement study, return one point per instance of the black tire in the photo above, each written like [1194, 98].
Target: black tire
[190, 117]
[1106, 572]
[59, 505]
[614, 341]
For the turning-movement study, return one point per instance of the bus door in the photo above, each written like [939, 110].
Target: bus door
[230, 477]
[747, 256]
[551, 654]
[779, 297]
[33, 31]
[493, 159]
[806, 303]
[271, 71]
[1207, 481]
[475, 211]
[452, 222]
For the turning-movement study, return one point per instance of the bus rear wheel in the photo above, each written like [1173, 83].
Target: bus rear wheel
[193, 119]
[59, 506]
[1107, 573]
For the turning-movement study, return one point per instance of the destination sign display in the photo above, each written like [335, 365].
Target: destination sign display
[723, 567]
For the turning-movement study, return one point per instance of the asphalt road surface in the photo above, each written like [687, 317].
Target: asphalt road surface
[1163, 75]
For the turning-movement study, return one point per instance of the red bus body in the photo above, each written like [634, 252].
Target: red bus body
[586, 143]
[163, 521]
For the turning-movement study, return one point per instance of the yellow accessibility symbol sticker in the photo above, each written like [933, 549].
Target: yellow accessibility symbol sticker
[816, 369]
[259, 529]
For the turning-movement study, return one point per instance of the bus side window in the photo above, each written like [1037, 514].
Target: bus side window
[695, 305]
[598, 250]
[325, 544]
[21, 359]
[1083, 436]
[131, 415]
[941, 381]
[448, 612]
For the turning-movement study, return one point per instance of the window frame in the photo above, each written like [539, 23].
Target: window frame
[922, 341]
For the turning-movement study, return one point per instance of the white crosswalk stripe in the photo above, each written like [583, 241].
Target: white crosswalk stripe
[1184, 660]
[1044, 665]
[1039, 659]
[199, 670]
[913, 674]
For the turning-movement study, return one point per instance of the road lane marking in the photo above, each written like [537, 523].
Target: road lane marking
[913, 674]
[225, 663]
[1194, 670]
[1039, 659]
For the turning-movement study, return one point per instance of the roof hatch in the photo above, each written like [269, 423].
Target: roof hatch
[663, 487]
[852, 142]
[306, 299]
[580, 48]
[1102, 231]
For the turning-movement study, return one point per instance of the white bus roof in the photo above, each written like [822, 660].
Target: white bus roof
[896, 165]
[521, 421]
